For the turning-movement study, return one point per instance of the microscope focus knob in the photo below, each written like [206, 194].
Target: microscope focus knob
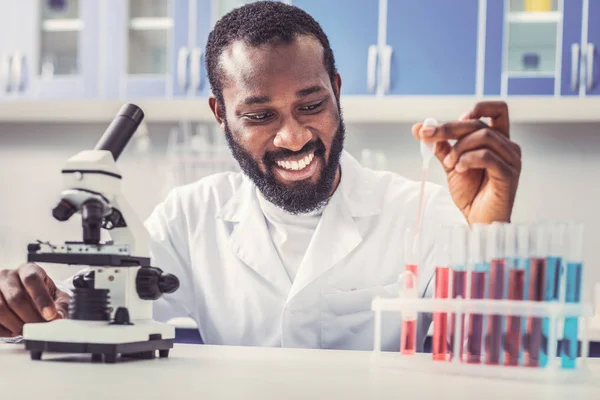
[152, 282]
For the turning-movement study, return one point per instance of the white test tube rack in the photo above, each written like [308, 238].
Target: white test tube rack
[554, 311]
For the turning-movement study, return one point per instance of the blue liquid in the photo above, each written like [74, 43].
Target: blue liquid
[551, 293]
[568, 351]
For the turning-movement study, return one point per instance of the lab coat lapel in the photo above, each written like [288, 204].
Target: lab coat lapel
[337, 234]
[250, 240]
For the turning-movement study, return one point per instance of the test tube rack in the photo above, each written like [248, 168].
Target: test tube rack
[554, 311]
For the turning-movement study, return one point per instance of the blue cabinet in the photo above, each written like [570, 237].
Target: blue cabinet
[352, 33]
[433, 47]
[7, 22]
[592, 48]
[146, 50]
[54, 49]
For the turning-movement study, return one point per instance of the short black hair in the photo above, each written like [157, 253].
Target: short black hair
[258, 23]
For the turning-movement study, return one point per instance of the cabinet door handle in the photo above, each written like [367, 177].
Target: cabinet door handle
[590, 66]
[196, 68]
[574, 66]
[17, 72]
[182, 58]
[386, 66]
[372, 67]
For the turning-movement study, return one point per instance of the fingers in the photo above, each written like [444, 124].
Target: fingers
[488, 160]
[506, 150]
[34, 280]
[5, 332]
[8, 319]
[17, 298]
[448, 131]
[497, 111]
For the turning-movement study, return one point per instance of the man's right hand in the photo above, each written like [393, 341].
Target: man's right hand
[27, 294]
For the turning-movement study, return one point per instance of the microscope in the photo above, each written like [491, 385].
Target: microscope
[110, 313]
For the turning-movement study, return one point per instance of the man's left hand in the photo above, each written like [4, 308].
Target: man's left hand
[483, 166]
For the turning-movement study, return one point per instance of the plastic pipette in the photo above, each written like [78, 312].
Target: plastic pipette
[427, 153]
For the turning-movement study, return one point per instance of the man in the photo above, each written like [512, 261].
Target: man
[291, 251]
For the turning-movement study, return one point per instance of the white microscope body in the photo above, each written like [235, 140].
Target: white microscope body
[111, 306]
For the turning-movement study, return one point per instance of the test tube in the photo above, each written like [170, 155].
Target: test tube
[408, 334]
[556, 239]
[442, 277]
[538, 251]
[458, 265]
[516, 250]
[574, 262]
[479, 270]
[496, 290]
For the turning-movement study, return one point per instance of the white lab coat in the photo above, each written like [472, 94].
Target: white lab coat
[213, 236]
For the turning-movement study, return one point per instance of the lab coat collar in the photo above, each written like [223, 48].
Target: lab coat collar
[335, 237]
[357, 186]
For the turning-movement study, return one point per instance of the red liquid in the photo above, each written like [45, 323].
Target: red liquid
[475, 331]
[408, 335]
[533, 335]
[440, 320]
[459, 288]
[494, 333]
[512, 344]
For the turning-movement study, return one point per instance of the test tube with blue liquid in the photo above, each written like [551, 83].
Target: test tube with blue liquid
[573, 278]
[556, 238]
[458, 266]
[479, 271]
[515, 256]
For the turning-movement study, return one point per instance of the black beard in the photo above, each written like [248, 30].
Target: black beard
[300, 197]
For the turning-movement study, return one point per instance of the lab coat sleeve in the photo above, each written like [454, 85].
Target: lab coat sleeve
[169, 251]
[440, 211]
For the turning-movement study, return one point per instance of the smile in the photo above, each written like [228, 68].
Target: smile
[297, 165]
[299, 169]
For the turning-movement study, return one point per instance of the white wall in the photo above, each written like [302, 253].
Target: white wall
[559, 180]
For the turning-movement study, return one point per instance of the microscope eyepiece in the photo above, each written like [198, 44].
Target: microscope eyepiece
[120, 130]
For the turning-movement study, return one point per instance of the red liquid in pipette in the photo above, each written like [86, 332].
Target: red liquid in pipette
[533, 335]
[459, 288]
[512, 343]
[496, 292]
[440, 320]
[408, 335]
[475, 331]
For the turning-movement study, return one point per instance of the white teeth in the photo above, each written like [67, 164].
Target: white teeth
[296, 165]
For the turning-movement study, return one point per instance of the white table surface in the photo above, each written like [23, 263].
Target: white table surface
[208, 372]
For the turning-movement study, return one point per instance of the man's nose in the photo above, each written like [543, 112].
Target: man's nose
[292, 136]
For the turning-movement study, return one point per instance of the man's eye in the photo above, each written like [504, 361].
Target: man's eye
[258, 117]
[312, 107]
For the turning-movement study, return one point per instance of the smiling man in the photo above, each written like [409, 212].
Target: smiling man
[290, 251]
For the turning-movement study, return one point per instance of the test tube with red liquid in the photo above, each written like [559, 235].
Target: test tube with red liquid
[479, 269]
[439, 343]
[408, 334]
[538, 251]
[458, 266]
[496, 289]
[516, 250]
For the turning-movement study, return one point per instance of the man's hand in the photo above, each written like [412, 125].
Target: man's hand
[483, 166]
[27, 294]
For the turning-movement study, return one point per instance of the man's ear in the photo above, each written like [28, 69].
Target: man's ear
[217, 111]
[337, 85]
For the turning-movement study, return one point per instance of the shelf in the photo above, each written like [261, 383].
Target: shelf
[534, 17]
[62, 25]
[147, 24]
[356, 109]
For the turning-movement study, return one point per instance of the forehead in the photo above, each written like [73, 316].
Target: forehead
[272, 69]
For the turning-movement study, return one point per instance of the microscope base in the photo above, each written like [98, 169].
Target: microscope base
[100, 339]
